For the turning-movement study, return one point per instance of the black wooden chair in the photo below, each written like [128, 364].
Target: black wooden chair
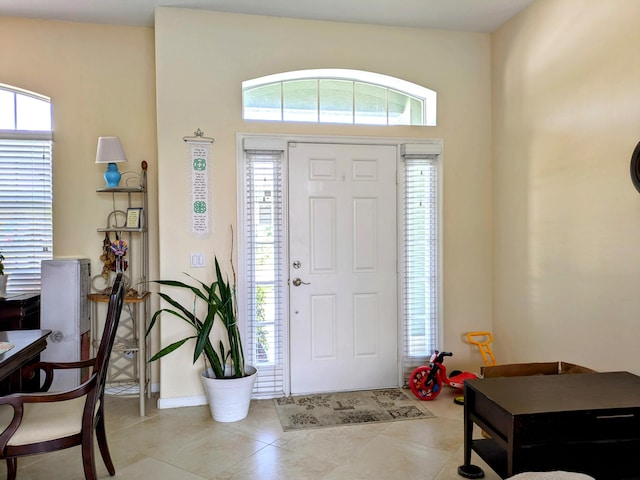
[41, 422]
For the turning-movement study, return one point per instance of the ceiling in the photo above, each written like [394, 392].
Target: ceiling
[464, 15]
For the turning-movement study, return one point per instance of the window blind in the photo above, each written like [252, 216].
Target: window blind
[25, 207]
[420, 261]
[264, 269]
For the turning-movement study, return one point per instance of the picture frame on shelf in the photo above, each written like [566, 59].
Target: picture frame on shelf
[134, 218]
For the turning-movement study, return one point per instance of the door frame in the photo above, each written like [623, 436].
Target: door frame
[431, 145]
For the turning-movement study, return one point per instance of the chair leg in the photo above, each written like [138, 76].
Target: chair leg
[12, 468]
[101, 435]
[88, 459]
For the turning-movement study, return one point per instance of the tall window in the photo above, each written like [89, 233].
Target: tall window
[420, 263]
[264, 262]
[25, 186]
[338, 96]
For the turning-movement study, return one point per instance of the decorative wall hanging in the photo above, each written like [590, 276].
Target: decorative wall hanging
[200, 204]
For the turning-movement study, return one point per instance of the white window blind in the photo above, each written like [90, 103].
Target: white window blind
[420, 260]
[264, 267]
[25, 206]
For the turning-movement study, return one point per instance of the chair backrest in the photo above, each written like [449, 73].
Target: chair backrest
[116, 302]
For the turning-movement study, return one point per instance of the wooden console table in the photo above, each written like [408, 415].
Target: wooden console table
[27, 344]
[587, 423]
[20, 311]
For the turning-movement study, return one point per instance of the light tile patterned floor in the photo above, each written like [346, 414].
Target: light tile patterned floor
[186, 444]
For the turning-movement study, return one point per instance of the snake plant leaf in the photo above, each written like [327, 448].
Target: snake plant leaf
[203, 334]
[170, 348]
[174, 283]
[219, 300]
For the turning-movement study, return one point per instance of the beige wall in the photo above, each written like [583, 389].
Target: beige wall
[202, 58]
[566, 84]
[564, 81]
[101, 82]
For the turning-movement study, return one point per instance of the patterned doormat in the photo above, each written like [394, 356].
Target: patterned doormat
[349, 408]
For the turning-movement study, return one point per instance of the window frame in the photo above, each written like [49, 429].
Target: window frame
[272, 375]
[427, 97]
[405, 147]
[23, 257]
[431, 156]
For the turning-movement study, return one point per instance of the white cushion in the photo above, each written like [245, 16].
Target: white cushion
[45, 421]
[558, 475]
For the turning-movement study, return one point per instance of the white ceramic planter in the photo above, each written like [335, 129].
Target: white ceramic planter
[229, 398]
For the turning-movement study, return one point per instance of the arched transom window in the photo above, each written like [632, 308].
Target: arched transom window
[338, 96]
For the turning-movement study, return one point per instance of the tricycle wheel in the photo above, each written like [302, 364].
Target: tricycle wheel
[422, 386]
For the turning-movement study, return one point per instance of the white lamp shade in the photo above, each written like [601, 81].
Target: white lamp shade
[110, 150]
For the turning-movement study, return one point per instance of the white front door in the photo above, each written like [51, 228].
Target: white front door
[342, 272]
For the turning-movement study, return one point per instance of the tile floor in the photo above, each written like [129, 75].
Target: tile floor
[186, 444]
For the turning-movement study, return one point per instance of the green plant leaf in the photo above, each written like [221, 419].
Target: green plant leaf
[203, 334]
[167, 350]
[219, 298]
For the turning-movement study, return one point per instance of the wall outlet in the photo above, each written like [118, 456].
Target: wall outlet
[197, 260]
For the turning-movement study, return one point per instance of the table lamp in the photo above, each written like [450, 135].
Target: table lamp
[110, 151]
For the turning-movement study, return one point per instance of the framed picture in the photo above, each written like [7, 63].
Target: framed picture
[134, 217]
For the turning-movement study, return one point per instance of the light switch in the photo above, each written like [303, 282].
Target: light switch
[197, 260]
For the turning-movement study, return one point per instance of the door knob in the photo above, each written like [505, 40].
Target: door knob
[297, 282]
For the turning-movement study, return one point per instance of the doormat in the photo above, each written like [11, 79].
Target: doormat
[348, 408]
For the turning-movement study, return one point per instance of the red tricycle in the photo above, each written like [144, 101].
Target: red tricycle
[426, 381]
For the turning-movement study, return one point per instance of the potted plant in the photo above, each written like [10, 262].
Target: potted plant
[3, 277]
[227, 381]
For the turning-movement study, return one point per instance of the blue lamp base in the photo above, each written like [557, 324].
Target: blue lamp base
[112, 175]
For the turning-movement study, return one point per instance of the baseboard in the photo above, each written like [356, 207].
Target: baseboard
[178, 402]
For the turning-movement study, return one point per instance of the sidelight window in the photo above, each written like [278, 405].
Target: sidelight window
[262, 264]
[421, 256]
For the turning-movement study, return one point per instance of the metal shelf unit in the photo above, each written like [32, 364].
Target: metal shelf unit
[128, 367]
